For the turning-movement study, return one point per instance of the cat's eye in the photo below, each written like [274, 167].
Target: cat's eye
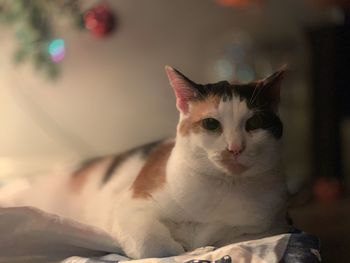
[253, 123]
[211, 124]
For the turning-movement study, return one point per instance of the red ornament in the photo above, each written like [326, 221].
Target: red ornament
[100, 20]
[327, 190]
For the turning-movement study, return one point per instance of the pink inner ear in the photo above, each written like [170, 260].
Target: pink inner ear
[182, 98]
[182, 106]
[182, 89]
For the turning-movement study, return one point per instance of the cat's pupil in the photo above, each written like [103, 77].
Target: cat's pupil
[253, 123]
[211, 124]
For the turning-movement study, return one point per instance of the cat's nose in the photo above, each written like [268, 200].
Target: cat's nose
[236, 149]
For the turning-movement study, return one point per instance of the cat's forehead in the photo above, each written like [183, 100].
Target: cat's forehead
[227, 92]
[235, 108]
[219, 105]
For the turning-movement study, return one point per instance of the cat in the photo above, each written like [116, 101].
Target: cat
[217, 182]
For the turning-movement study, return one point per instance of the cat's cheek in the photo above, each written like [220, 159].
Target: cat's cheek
[266, 151]
[258, 140]
[207, 140]
[259, 149]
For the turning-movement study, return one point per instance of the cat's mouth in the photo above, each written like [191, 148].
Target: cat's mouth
[234, 166]
[229, 164]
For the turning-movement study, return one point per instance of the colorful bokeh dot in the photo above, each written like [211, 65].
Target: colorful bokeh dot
[57, 50]
[224, 69]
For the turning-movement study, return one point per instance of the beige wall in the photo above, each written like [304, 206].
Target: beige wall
[113, 92]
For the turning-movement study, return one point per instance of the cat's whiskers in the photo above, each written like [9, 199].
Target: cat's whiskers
[201, 156]
[256, 92]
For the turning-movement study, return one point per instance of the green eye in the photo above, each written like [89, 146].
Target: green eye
[211, 124]
[254, 123]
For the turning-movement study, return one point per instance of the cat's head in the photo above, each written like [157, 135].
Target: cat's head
[234, 126]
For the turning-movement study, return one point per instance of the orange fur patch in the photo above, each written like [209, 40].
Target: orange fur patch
[198, 110]
[152, 175]
[81, 176]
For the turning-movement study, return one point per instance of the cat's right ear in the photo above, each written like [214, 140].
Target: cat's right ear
[183, 88]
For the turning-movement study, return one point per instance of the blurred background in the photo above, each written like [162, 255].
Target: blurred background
[86, 78]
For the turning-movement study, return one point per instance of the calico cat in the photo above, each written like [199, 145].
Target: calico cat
[218, 182]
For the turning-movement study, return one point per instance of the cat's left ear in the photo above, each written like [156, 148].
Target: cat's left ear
[272, 87]
[183, 88]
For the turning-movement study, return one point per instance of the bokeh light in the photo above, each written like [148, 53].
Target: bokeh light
[224, 69]
[245, 74]
[57, 50]
[236, 51]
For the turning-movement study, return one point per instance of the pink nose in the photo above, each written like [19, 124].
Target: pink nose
[236, 149]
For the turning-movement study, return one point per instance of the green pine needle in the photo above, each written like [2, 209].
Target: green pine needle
[33, 25]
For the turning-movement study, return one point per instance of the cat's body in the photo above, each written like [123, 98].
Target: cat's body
[213, 185]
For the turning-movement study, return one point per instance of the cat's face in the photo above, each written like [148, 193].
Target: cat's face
[235, 126]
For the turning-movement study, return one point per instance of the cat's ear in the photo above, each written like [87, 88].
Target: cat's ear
[183, 88]
[271, 86]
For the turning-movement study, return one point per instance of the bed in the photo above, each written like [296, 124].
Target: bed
[28, 234]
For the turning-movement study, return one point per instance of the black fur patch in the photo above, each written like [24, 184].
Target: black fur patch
[85, 165]
[120, 158]
[222, 89]
[270, 122]
[252, 93]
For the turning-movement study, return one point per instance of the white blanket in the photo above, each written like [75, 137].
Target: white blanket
[30, 235]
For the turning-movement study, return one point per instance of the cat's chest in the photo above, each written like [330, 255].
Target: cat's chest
[215, 201]
[191, 234]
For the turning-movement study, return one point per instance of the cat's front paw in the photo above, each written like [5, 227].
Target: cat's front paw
[153, 249]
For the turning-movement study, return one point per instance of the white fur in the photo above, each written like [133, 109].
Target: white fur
[201, 204]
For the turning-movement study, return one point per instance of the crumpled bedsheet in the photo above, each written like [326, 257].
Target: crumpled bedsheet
[28, 235]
